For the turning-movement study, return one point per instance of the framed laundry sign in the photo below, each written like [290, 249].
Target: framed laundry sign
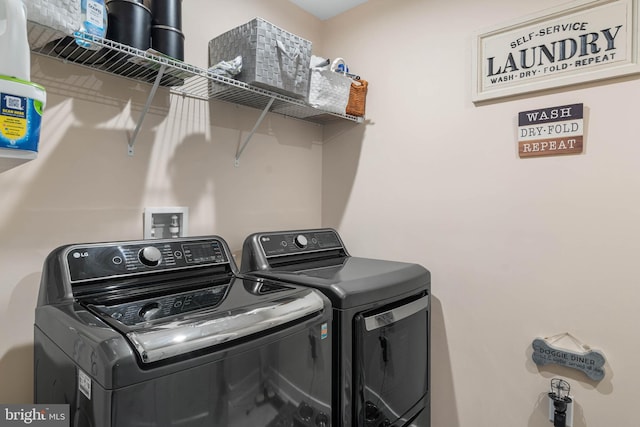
[582, 41]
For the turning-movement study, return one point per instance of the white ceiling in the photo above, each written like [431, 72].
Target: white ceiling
[325, 9]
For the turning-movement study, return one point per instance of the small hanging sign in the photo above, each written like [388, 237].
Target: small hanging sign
[550, 131]
[589, 361]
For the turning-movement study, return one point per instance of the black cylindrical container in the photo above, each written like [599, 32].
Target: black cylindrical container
[166, 12]
[168, 40]
[129, 23]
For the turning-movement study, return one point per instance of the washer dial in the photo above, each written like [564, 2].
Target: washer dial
[300, 241]
[150, 256]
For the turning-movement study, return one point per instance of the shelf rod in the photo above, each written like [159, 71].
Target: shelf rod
[145, 110]
[255, 128]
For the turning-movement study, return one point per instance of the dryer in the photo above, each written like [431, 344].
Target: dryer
[163, 333]
[381, 322]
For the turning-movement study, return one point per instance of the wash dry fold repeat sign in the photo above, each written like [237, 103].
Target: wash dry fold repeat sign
[551, 131]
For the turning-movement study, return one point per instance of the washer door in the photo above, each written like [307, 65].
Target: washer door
[391, 363]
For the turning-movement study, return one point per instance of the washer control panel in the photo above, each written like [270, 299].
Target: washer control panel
[100, 261]
[290, 243]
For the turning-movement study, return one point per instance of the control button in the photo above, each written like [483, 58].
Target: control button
[150, 256]
[117, 260]
[178, 254]
[284, 243]
[300, 241]
[314, 241]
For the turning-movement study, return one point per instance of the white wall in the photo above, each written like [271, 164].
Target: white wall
[518, 248]
[83, 187]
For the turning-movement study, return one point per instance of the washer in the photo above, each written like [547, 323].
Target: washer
[164, 333]
[381, 322]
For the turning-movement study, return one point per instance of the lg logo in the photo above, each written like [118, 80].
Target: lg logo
[80, 254]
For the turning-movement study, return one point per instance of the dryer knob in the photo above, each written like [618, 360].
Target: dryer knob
[150, 256]
[300, 241]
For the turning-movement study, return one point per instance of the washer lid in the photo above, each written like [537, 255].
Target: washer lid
[158, 341]
[353, 281]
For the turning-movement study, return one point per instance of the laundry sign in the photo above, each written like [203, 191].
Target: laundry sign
[551, 131]
[584, 41]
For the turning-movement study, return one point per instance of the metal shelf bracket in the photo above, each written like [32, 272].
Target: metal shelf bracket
[255, 128]
[145, 110]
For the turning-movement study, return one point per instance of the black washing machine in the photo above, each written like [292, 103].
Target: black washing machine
[163, 333]
[381, 321]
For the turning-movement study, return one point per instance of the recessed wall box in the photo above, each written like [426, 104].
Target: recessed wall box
[165, 223]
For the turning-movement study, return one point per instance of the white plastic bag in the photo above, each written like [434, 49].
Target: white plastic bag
[328, 90]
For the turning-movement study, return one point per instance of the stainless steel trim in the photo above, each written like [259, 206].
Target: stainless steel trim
[201, 330]
[391, 316]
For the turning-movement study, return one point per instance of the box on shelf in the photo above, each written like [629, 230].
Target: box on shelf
[272, 58]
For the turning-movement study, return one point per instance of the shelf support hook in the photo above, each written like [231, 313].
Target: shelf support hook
[255, 128]
[145, 110]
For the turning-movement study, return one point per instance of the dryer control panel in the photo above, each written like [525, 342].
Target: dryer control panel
[101, 261]
[290, 243]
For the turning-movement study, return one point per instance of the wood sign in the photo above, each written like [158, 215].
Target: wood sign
[551, 131]
[582, 41]
[589, 361]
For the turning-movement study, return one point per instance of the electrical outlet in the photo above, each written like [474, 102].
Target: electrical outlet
[569, 419]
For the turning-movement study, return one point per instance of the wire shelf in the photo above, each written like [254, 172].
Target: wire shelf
[183, 79]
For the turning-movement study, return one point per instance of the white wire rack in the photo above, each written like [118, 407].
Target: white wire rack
[184, 79]
[188, 80]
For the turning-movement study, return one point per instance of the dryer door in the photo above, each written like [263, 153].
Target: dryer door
[391, 363]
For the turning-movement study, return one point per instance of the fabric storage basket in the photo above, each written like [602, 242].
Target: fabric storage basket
[272, 58]
[61, 15]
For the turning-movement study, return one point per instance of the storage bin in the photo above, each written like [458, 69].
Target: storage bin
[328, 89]
[272, 58]
[61, 15]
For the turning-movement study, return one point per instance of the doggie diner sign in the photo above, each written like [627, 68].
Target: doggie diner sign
[586, 40]
[589, 361]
